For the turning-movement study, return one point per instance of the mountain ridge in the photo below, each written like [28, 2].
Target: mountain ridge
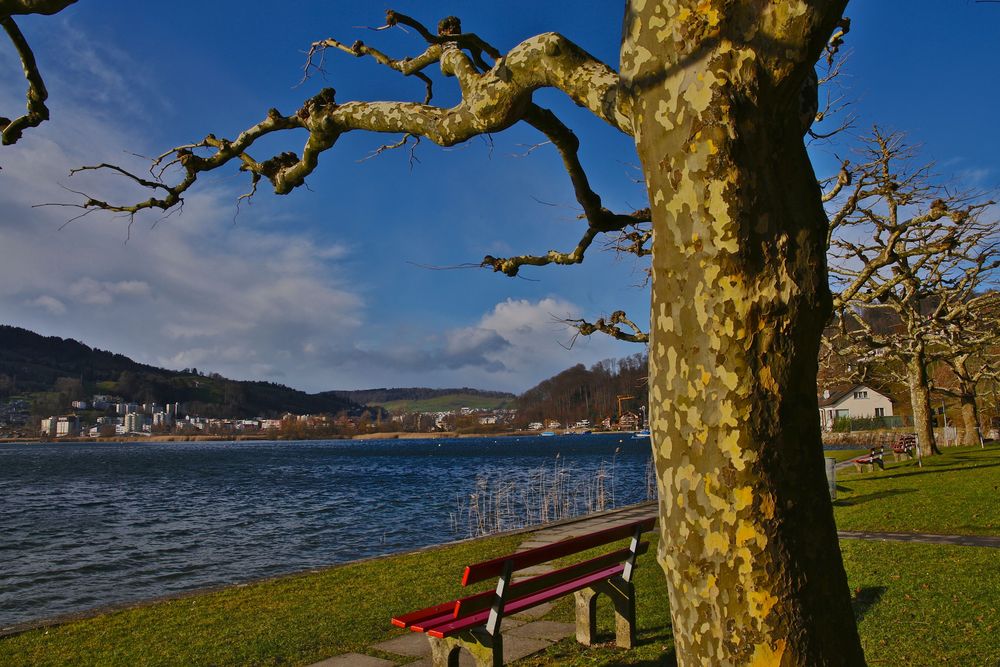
[31, 363]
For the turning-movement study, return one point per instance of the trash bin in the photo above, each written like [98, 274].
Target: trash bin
[831, 476]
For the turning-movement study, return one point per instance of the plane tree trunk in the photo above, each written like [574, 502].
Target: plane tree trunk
[970, 414]
[739, 299]
[920, 402]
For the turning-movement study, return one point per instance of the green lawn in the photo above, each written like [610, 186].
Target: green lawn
[955, 493]
[917, 604]
[844, 454]
[445, 403]
[295, 620]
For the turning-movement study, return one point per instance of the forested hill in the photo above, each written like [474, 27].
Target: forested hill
[54, 371]
[588, 393]
[383, 396]
[421, 399]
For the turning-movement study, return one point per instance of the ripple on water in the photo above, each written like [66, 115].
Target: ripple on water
[91, 525]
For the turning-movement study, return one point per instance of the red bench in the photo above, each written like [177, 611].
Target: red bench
[873, 459]
[473, 622]
[905, 446]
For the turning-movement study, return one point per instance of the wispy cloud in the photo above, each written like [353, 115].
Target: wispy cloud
[49, 303]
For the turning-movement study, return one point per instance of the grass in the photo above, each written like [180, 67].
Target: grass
[923, 604]
[445, 403]
[955, 493]
[917, 604]
[844, 454]
[298, 619]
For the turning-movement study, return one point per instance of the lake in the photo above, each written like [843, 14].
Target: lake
[87, 525]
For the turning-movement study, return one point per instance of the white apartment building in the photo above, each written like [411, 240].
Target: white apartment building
[61, 427]
[134, 422]
[48, 426]
[68, 425]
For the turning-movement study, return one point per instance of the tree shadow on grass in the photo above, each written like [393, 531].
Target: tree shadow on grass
[909, 471]
[865, 599]
[868, 497]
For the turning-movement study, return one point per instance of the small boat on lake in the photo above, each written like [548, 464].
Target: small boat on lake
[547, 434]
[641, 435]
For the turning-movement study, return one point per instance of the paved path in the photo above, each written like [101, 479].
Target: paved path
[928, 538]
[525, 635]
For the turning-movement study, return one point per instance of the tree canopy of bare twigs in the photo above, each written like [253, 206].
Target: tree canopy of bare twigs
[909, 254]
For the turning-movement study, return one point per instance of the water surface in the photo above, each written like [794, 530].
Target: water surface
[86, 525]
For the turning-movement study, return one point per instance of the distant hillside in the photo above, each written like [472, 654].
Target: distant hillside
[581, 393]
[422, 399]
[54, 371]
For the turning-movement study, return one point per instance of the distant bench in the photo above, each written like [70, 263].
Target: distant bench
[873, 459]
[473, 622]
[905, 446]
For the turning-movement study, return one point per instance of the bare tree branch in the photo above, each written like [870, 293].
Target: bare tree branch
[36, 113]
[491, 101]
[599, 219]
[611, 326]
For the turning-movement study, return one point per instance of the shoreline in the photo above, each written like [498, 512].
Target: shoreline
[388, 435]
[113, 607]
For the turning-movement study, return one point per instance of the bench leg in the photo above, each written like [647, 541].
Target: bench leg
[486, 651]
[622, 596]
[586, 616]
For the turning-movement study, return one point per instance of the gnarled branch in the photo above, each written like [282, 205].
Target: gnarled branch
[491, 101]
[611, 326]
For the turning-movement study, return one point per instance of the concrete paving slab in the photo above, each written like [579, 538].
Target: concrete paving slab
[514, 648]
[415, 644]
[548, 630]
[354, 660]
[525, 546]
[529, 614]
[534, 570]
[412, 644]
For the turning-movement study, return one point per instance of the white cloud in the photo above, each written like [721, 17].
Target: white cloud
[513, 345]
[49, 303]
[94, 292]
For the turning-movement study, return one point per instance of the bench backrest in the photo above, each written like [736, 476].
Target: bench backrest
[549, 580]
[518, 561]
[489, 607]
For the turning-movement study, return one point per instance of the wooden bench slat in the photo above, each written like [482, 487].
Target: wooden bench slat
[492, 568]
[520, 589]
[435, 621]
[456, 626]
[406, 620]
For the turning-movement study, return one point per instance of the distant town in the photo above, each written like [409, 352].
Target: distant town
[108, 416]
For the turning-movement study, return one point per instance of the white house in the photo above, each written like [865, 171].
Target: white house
[858, 401]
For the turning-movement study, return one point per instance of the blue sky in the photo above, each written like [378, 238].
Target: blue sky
[329, 287]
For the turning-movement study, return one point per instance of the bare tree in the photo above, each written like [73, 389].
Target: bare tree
[905, 251]
[718, 96]
[970, 349]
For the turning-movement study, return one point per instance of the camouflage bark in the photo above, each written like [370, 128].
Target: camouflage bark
[739, 298]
